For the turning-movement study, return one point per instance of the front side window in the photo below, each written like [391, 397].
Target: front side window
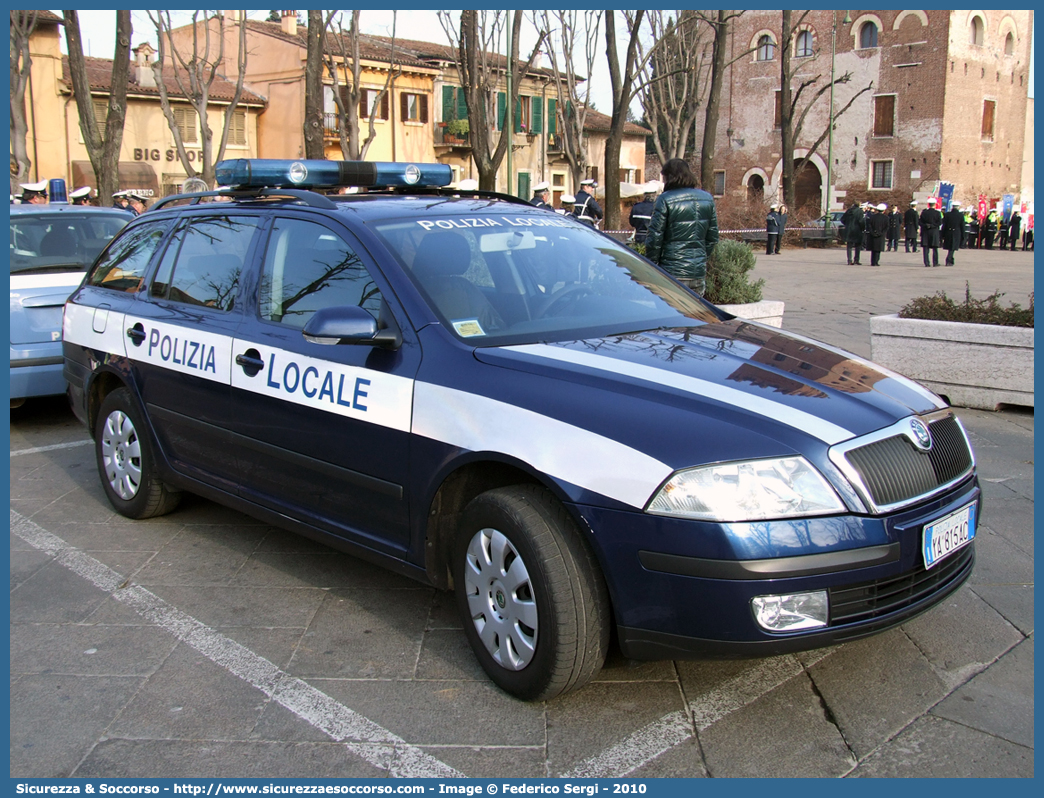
[204, 261]
[122, 267]
[308, 267]
[868, 35]
[60, 242]
[766, 48]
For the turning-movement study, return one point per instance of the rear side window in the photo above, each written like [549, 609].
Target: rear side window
[309, 267]
[122, 267]
[205, 261]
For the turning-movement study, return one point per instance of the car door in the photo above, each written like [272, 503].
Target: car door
[324, 430]
[182, 341]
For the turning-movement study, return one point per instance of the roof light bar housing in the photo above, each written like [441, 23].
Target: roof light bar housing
[308, 174]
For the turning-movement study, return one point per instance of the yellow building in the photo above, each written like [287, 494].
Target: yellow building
[148, 161]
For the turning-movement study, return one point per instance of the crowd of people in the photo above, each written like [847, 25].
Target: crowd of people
[865, 226]
[37, 194]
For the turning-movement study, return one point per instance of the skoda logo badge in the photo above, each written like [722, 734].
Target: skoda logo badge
[922, 438]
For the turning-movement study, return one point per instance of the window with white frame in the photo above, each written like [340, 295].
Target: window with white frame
[868, 35]
[766, 48]
[978, 32]
[413, 107]
[719, 182]
[368, 104]
[237, 129]
[881, 174]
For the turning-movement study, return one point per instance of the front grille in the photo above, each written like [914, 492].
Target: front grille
[869, 600]
[894, 470]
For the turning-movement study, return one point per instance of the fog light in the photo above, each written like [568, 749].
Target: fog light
[791, 613]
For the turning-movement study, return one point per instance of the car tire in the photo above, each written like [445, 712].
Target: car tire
[532, 599]
[126, 463]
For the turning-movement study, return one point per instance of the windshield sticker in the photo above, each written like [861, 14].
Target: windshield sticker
[468, 328]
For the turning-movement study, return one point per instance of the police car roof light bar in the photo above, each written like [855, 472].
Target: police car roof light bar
[307, 174]
[57, 192]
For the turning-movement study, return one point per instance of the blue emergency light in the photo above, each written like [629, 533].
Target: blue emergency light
[275, 173]
[56, 191]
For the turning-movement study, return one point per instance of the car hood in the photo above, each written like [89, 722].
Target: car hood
[775, 377]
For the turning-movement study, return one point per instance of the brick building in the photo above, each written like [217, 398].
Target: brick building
[948, 103]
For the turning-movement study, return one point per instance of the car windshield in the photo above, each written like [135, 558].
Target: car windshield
[512, 279]
[60, 241]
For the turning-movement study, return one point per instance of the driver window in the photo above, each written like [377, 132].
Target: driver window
[309, 267]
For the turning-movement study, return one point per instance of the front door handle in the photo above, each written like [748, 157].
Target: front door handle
[136, 334]
[251, 362]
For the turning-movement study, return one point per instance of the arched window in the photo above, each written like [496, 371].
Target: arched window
[803, 44]
[1009, 45]
[868, 35]
[977, 32]
[766, 48]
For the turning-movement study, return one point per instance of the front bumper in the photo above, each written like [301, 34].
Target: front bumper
[683, 590]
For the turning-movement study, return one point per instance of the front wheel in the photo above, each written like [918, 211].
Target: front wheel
[126, 464]
[532, 599]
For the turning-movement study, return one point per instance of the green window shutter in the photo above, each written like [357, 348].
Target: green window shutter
[518, 115]
[501, 109]
[449, 103]
[523, 185]
[538, 116]
[552, 117]
[462, 105]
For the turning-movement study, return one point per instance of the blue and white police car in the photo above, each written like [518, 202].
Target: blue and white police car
[505, 403]
[51, 247]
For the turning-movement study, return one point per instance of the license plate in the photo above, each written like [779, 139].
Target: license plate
[948, 534]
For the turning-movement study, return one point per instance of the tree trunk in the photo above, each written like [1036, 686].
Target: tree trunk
[103, 147]
[313, 121]
[786, 112]
[623, 87]
[22, 24]
[710, 128]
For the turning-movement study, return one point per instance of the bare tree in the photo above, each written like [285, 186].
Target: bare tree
[792, 114]
[719, 21]
[194, 73]
[622, 82]
[313, 121]
[480, 67]
[674, 81]
[345, 56]
[22, 25]
[103, 150]
[572, 108]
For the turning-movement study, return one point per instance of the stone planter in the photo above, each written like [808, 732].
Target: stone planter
[768, 311]
[971, 365]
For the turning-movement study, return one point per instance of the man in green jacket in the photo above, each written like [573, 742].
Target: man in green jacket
[684, 227]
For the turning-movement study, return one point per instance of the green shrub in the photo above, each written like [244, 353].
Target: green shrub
[975, 311]
[728, 281]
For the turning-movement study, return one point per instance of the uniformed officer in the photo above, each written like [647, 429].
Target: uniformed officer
[931, 222]
[568, 201]
[952, 231]
[587, 209]
[34, 193]
[119, 200]
[910, 224]
[81, 196]
[136, 202]
[641, 214]
[542, 196]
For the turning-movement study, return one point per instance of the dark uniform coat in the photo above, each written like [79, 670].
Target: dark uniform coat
[953, 229]
[931, 223]
[641, 215]
[853, 221]
[895, 221]
[910, 223]
[587, 208]
[877, 225]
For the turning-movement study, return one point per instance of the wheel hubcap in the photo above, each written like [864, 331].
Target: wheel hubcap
[121, 455]
[500, 599]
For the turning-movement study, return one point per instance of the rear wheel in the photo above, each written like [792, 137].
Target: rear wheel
[531, 596]
[126, 463]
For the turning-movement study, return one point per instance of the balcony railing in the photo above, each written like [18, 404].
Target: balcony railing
[443, 136]
[554, 142]
[330, 128]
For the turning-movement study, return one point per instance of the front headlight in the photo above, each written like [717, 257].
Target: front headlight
[753, 490]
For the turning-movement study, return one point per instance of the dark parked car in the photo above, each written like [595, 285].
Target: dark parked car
[509, 404]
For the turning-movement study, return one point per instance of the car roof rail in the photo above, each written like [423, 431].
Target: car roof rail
[427, 191]
[309, 198]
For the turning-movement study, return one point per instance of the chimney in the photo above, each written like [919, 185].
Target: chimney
[143, 53]
[289, 22]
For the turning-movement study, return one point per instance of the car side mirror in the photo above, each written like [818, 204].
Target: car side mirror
[350, 324]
